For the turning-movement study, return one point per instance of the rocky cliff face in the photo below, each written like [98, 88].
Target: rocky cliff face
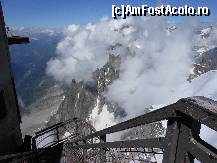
[38, 113]
[81, 98]
[86, 101]
[208, 59]
[205, 62]
[205, 49]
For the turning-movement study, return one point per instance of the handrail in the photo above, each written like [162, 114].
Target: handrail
[57, 132]
[183, 127]
[194, 107]
[53, 127]
[181, 144]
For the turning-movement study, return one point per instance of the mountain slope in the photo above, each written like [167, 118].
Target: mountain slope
[29, 61]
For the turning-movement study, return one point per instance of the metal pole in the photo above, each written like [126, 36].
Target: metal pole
[103, 151]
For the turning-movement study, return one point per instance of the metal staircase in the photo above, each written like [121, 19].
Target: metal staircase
[77, 141]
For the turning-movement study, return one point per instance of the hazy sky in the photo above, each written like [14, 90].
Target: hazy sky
[60, 13]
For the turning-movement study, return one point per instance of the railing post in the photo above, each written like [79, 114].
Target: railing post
[172, 136]
[189, 129]
[58, 138]
[180, 131]
[26, 147]
[34, 146]
[34, 149]
[85, 152]
[103, 151]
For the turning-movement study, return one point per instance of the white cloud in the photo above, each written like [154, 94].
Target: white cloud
[154, 68]
[154, 62]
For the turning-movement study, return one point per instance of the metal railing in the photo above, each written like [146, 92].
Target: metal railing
[48, 144]
[181, 143]
[61, 132]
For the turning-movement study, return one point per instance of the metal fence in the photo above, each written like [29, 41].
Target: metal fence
[48, 145]
[181, 144]
[61, 132]
[77, 141]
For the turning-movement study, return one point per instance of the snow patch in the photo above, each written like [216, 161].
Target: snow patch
[103, 119]
[66, 134]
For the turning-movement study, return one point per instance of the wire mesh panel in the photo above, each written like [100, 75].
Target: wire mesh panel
[96, 150]
[143, 140]
[180, 142]
[76, 150]
[112, 155]
[67, 131]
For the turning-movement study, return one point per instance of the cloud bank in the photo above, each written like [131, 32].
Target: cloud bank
[154, 66]
[155, 62]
